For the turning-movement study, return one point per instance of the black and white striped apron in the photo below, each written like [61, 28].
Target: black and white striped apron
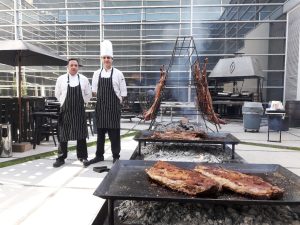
[73, 121]
[108, 107]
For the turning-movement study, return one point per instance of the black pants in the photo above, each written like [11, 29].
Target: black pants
[81, 150]
[115, 140]
[94, 123]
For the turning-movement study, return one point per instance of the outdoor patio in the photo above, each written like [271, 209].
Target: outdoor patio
[34, 192]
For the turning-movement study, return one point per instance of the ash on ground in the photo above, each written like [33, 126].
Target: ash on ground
[167, 213]
[186, 152]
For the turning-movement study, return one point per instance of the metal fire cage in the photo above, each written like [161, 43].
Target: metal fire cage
[213, 138]
[184, 48]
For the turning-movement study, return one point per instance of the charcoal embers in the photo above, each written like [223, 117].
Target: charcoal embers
[163, 213]
[186, 152]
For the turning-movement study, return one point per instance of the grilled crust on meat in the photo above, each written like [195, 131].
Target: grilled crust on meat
[180, 135]
[244, 184]
[187, 181]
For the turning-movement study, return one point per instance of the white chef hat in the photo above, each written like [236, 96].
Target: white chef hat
[106, 48]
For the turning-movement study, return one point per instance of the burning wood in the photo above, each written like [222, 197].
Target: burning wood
[204, 99]
[151, 113]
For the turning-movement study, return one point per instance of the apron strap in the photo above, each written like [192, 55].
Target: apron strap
[111, 74]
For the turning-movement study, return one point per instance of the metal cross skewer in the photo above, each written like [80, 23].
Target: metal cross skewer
[187, 45]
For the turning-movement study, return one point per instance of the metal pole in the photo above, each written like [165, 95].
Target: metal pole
[67, 27]
[20, 96]
[110, 211]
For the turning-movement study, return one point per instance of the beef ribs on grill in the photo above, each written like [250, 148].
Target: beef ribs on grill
[187, 181]
[244, 184]
[179, 135]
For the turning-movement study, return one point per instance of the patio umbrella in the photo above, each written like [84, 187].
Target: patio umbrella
[19, 53]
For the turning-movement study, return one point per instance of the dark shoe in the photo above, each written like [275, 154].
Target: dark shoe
[115, 159]
[58, 163]
[84, 162]
[100, 169]
[94, 160]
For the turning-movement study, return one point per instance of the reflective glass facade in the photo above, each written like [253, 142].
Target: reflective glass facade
[143, 34]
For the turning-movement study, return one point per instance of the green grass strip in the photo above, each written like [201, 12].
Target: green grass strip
[52, 153]
[271, 145]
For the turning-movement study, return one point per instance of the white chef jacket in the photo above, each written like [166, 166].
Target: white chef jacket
[61, 87]
[118, 80]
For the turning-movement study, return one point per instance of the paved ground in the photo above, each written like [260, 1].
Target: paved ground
[35, 193]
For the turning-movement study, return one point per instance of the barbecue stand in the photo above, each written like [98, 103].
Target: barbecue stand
[184, 48]
[127, 180]
[233, 70]
[213, 138]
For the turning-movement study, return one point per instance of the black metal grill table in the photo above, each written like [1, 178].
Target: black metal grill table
[213, 138]
[127, 180]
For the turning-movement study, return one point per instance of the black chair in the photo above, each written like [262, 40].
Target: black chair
[45, 125]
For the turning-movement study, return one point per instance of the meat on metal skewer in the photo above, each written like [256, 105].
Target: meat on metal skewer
[150, 113]
[204, 99]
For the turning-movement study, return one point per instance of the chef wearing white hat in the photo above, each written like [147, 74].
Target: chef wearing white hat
[109, 86]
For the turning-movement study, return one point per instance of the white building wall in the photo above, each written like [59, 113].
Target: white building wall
[292, 63]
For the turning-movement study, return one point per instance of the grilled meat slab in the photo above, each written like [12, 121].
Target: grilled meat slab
[183, 180]
[244, 184]
[179, 135]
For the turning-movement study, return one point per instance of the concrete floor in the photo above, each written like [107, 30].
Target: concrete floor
[35, 193]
